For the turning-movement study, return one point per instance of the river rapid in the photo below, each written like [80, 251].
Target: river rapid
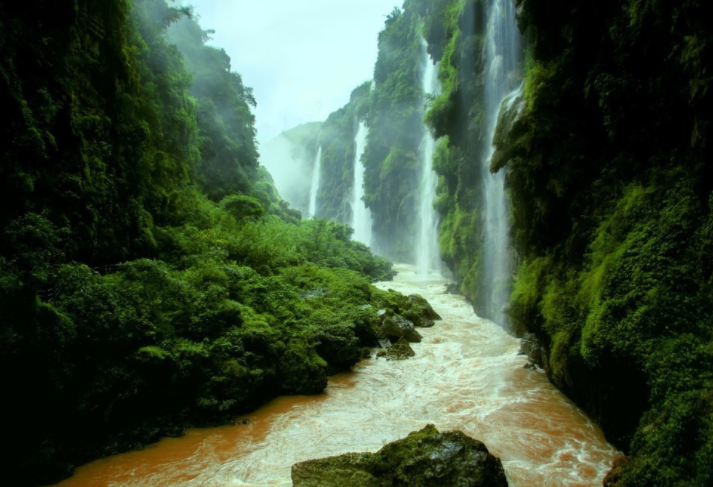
[466, 375]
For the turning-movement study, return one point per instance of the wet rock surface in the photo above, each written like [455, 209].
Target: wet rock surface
[396, 327]
[400, 350]
[424, 458]
[453, 288]
[420, 312]
[531, 346]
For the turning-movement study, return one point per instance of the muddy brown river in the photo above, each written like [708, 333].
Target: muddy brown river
[466, 375]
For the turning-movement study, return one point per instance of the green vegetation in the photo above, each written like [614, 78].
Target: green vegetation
[455, 31]
[151, 278]
[334, 197]
[395, 119]
[393, 112]
[290, 158]
[610, 177]
[425, 458]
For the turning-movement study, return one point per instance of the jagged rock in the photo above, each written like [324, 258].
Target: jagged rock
[381, 313]
[531, 346]
[400, 350]
[452, 288]
[395, 327]
[425, 458]
[530, 366]
[510, 127]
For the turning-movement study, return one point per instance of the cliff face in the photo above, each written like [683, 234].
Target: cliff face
[609, 175]
[392, 173]
[337, 140]
[392, 107]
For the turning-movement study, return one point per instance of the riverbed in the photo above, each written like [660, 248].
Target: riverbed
[466, 375]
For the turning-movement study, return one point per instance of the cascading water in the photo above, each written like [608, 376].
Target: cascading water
[361, 215]
[502, 55]
[466, 375]
[315, 184]
[428, 252]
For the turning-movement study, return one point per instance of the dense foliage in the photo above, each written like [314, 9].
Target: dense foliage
[395, 119]
[610, 179]
[456, 35]
[150, 276]
[337, 140]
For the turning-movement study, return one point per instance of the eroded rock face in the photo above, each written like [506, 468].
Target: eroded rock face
[425, 458]
[396, 327]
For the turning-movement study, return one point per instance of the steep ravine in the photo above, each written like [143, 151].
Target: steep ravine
[466, 375]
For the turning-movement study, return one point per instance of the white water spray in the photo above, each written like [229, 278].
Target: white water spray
[502, 52]
[428, 252]
[361, 215]
[315, 184]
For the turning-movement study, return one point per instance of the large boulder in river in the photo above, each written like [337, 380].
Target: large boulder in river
[396, 327]
[423, 459]
[420, 312]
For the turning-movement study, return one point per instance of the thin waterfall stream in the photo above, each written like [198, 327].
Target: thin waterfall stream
[467, 375]
[361, 215]
[502, 55]
[428, 253]
[317, 168]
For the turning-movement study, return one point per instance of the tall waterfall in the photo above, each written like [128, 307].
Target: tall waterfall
[502, 54]
[315, 184]
[361, 215]
[428, 251]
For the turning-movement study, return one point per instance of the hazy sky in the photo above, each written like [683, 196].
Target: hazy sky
[302, 57]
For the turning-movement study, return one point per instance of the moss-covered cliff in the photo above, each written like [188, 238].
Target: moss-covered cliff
[611, 179]
[391, 161]
[609, 175]
[337, 140]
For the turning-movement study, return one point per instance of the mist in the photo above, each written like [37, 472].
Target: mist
[303, 59]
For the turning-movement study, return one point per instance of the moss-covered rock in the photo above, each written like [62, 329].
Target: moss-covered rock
[420, 312]
[400, 350]
[397, 327]
[424, 458]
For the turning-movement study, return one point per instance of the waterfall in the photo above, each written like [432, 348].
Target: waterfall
[502, 54]
[361, 215]
[428, 251]
[315, 184]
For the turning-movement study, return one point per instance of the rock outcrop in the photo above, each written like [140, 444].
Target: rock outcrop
[424, 458]
[420, 312]
[400, 350]
[396, 327]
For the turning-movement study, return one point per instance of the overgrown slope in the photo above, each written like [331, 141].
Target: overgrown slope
[150, 276]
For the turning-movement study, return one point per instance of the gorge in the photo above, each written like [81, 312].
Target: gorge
[166, 275]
